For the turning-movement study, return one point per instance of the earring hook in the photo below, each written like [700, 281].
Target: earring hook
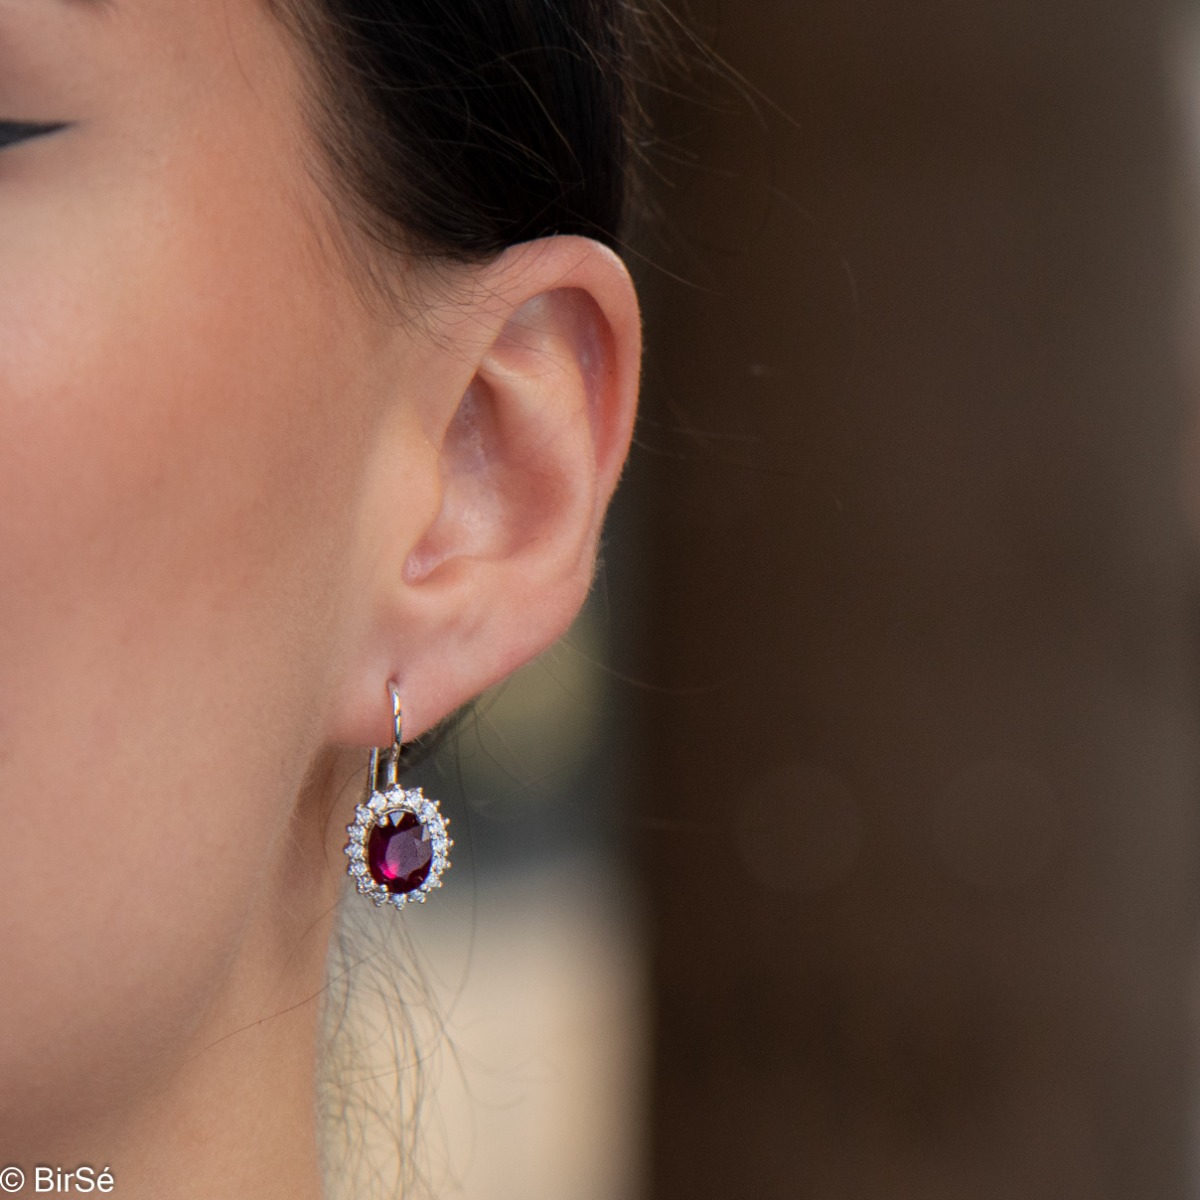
[389, 758]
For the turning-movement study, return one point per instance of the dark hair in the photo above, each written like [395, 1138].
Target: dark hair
[455, 128]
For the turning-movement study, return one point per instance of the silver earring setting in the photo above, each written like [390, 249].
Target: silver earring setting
[398, 846]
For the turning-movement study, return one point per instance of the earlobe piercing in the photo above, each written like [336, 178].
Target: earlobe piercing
[398, 844]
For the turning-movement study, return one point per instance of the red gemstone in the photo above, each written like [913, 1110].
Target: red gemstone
[399, 856]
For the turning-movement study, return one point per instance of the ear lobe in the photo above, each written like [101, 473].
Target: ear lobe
[530, 452]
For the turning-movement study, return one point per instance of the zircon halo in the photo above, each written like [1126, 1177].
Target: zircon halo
[398, 846]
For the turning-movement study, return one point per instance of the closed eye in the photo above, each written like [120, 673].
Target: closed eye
[12, 132]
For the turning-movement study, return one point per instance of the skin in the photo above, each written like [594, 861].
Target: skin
[236, 499]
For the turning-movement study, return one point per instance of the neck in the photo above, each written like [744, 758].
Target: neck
[239, 1118]
[235, 1114]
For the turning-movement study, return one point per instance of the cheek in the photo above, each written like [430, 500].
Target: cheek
[175, 508]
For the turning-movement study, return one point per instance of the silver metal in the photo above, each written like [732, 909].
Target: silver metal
[389, 758]
[386, 800]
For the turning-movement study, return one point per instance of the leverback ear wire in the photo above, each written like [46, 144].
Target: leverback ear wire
[398, 844]
[389, 759]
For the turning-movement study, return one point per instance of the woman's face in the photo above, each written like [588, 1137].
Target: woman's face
[234, 500]
[188, 390]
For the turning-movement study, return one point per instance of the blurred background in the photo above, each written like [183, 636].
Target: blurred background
[848, 847]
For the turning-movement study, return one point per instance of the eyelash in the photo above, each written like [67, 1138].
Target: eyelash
[12, 132]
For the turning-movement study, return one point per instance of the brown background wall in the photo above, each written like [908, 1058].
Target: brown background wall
[916, 685]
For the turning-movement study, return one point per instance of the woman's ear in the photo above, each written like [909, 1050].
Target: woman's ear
[489, 528]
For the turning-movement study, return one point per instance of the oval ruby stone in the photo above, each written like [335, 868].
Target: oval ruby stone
[399, 856]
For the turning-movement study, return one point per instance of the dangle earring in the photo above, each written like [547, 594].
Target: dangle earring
[398, 846]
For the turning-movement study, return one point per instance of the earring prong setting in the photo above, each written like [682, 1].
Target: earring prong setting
[396, 861]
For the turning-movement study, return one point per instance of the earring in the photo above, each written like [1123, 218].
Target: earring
[398, 846]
